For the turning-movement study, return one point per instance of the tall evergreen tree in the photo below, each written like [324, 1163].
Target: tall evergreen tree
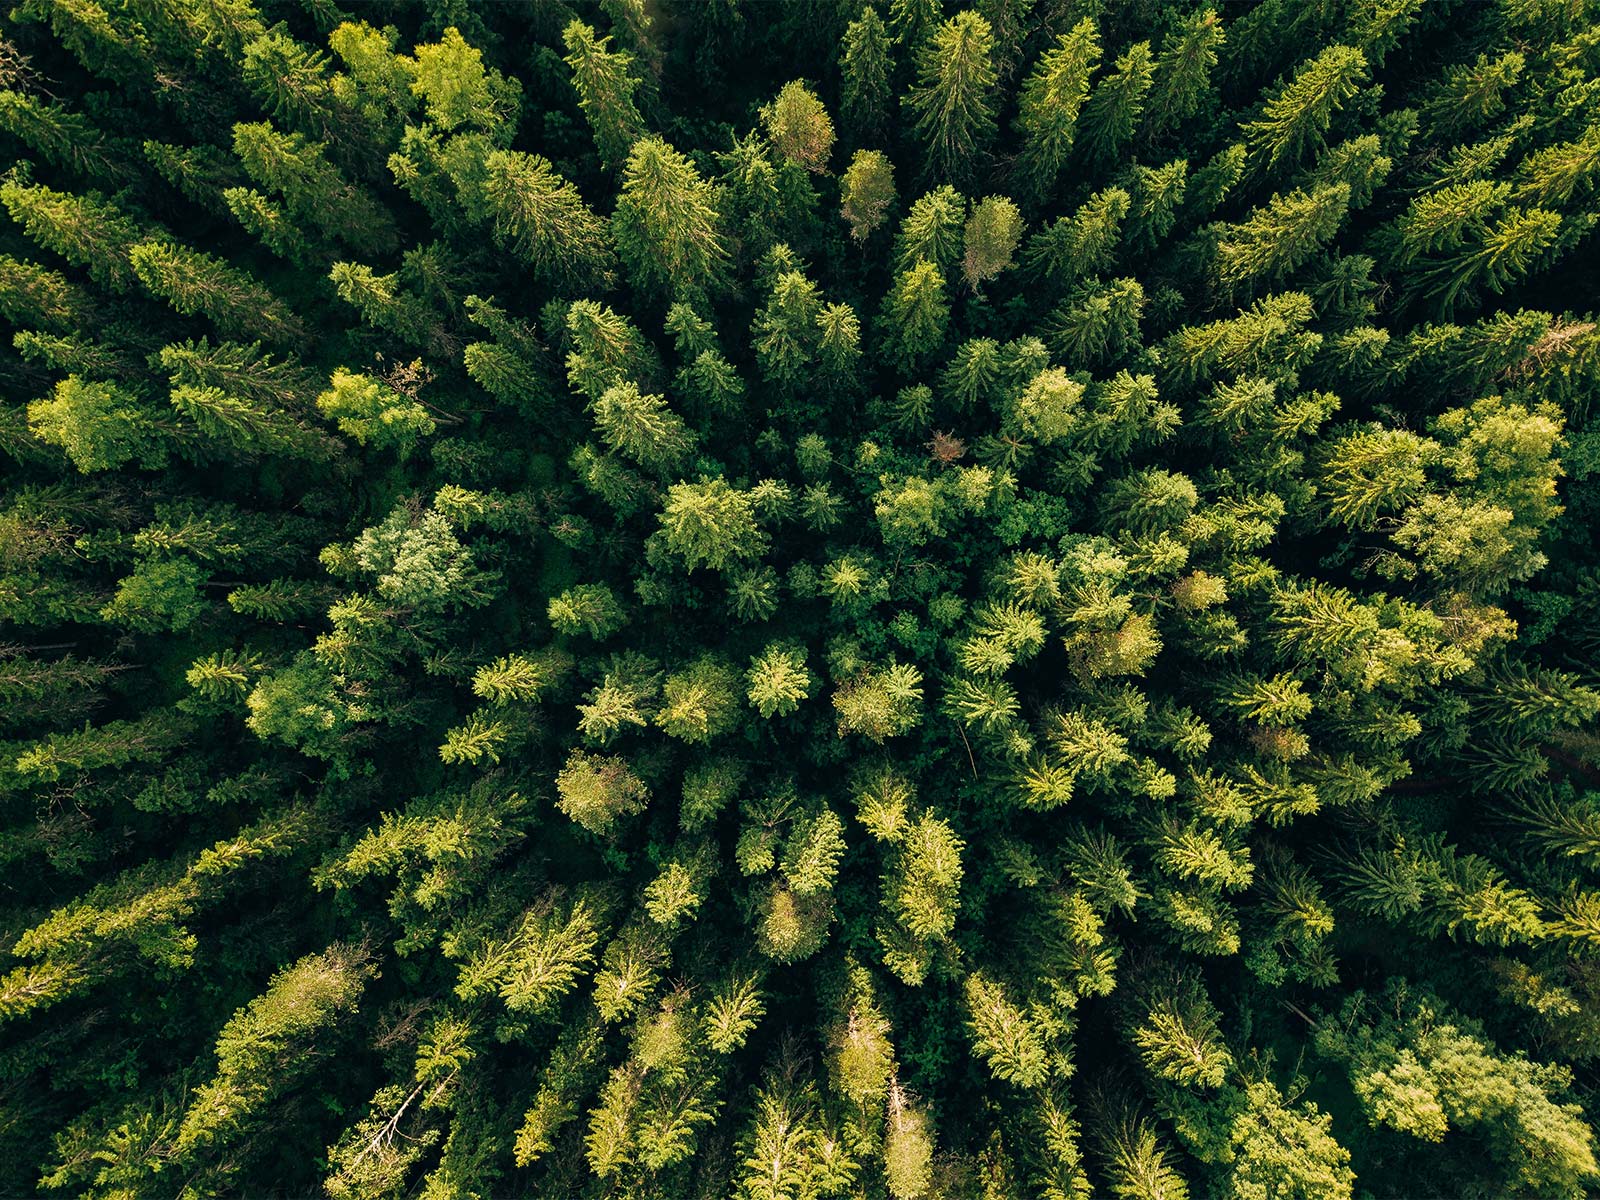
[540, 217]
[605, 89]
[667, 224]
[1049, 103]
[865, 64]
[953, 102]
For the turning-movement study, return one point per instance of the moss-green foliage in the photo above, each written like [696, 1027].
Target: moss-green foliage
[798, 600]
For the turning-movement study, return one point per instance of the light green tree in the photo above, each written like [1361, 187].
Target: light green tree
[1049, 104]
[800, 127]
[710, 524]
[993, 233]
[667, 225]
[867, 192]
[373, 413]
[778, 680]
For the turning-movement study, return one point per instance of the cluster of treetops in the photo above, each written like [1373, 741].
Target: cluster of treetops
[787, 601]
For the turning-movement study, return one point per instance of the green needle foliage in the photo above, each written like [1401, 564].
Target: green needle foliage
[799, 600]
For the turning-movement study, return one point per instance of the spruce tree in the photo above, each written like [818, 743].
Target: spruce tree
[1296, 117]
[1051, 99]
[914, 315]
[541, 218]
[865, 64]
[605, 87]
[953, 101]
[667, 225]
[192, 281]
[86, 230]
[1116, 106]
[1183, 71]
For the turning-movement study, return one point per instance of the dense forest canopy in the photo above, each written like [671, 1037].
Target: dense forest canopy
[778, 601]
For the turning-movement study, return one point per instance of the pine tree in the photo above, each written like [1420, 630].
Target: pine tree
[839, 346]
[246, 427]
[710, 524]
[512, 367]
[1553, 175]
[768, 200]
[240, 370]
[294, 84]
[1140, 1166]
[385, 304]
[1281, 235]
[606, 349]
[933, 230]
[786, 330]
[1115, 107]
[973, 376]
[911, 22]
[371, 412]
[540, 217]
[457, 90]
[1500, 254]
[202, 174]
[509, 679]
[1296, 118]
[1419, 1071]
[1279, 1150]
[1003, 1036]
[314, 191]
[880, 703]
[907, 1148]
[1157, 199]
[921, 895]
[1178, 1040]
[641, 427]
[194, 282]
[863, 1055]
[590, 608]
[376, 81]
[268, 221]
[86, 230]
[778, 680]
[1471, 94]
[1183, 71]
[63, 137]
[1082, 244]
[38, 296]
[270, 1041]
